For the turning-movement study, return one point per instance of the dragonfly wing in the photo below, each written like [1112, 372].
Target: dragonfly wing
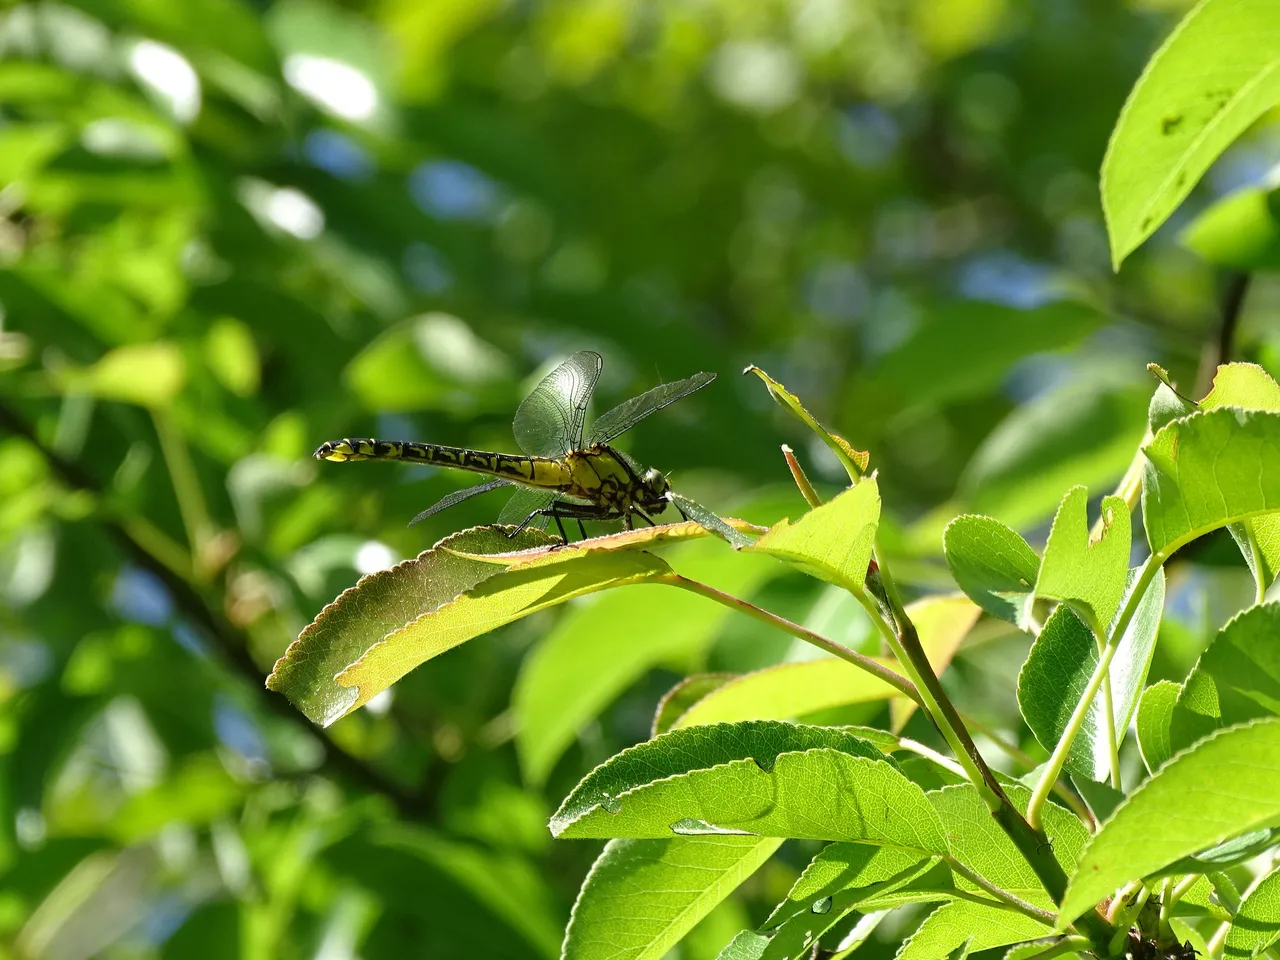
[708, 520]
[549, 421]
[524, 502]
[444, 503]
[626, 415]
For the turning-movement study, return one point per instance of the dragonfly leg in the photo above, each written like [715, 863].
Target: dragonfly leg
[644, 516]
[561, 511]
[582, 530]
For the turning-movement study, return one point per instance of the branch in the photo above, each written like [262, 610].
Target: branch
[230, 642]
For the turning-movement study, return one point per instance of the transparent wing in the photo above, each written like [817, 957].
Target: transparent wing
[549, 421]
[524, 502]
[444, 503]
[708, 520]
[626, 415]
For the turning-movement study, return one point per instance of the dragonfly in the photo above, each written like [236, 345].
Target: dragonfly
[564, 473]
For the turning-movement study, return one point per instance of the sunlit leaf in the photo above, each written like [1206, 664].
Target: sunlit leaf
[854, 461]
[1213, 77]
[761, 778]
[1085, 572]
[1257, 923]
[1155, 714]
[791, 690]
[1236, 679]
[969, 927]
[1208, 470]
[833, 541]
[1221, 787]
[378, 605]
[642, 896]
[495, 601]
[977, 841]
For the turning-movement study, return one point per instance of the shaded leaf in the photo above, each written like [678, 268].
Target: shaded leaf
[1057, 671]
[1079, 433]
[676, 701]
[1239, 231]
[992, 564]
[1213, 77]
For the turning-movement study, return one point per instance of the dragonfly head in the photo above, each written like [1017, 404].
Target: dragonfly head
[656, 487]
[338, 451]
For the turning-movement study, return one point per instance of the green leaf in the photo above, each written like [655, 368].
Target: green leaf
[376, 606]
[499, 600]
[1236, 679]
[1257, 923]
[1221, 787]
[968, 927]
[833, 541]
[992, 564]
[870, 876]
[977, 841]
[148, 374]
[845, 866]
[1208, 470]
[763, 778]
[746, 945]
[854, 461]
[1214, 76]
[507, 885]
[598, 650]
[642, 896]
[1240, 231]
[1090, 575]
[1155, 713]
[790, 690]
[677, 701]
[1221, 856]
[1101, 798]
[1057, 671]
[1248, 385]
[960, 347]
[1080, 433]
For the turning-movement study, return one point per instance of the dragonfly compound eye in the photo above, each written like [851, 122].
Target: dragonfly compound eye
[656, 482]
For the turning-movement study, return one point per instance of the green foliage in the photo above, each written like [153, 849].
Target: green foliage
[1181, 810]
[231, 231]
[1213, 77]
[642, 896]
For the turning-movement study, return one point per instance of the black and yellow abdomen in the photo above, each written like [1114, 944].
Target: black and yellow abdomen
[532, 471]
